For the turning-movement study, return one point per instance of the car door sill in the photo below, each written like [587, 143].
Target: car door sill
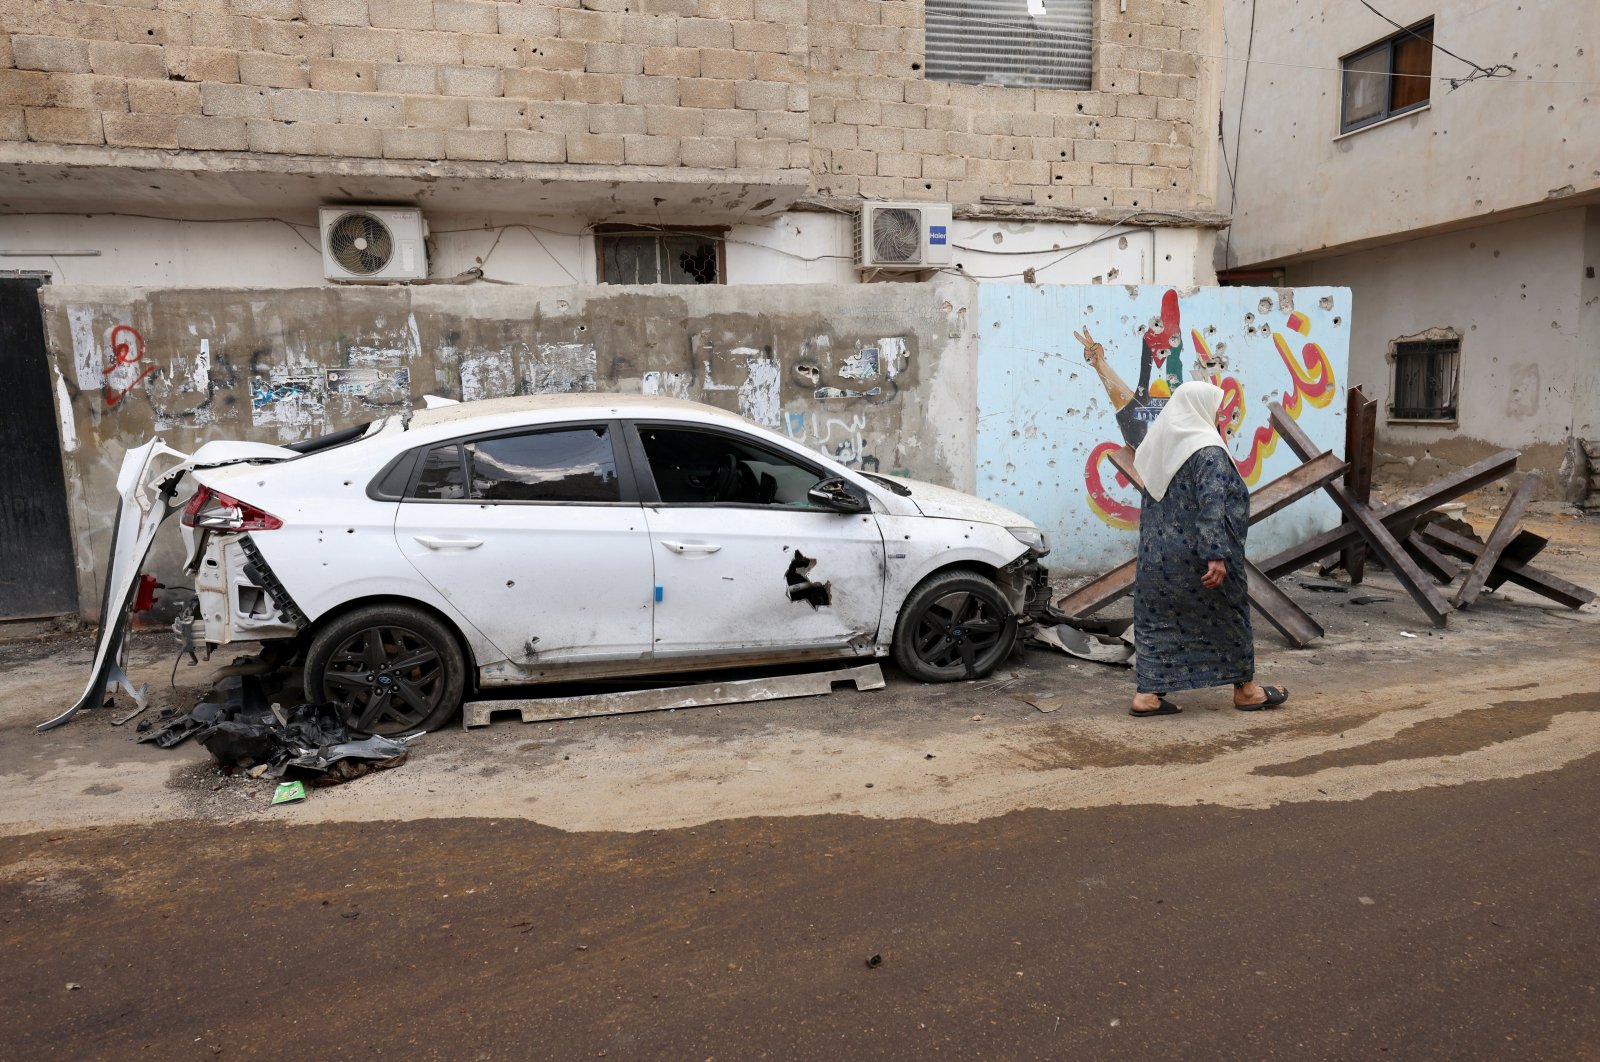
[506, 673]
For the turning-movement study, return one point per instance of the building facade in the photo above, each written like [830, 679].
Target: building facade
[163, 164]
[1439, 159]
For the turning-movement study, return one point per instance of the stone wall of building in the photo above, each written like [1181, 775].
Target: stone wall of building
[653, 87]
[882, 129]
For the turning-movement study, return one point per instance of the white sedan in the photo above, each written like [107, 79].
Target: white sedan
[552, 538]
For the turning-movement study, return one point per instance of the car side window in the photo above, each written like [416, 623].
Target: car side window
[442, 478]
[561, 465]
[693, 467]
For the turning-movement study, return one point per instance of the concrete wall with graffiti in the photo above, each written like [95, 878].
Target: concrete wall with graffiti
[879, 377]
[1068, 374]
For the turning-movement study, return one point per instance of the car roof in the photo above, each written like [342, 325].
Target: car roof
[587, 404]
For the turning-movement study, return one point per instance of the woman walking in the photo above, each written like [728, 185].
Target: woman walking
[1191, 609]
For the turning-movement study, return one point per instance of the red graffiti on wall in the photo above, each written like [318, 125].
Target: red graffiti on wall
[128, 351]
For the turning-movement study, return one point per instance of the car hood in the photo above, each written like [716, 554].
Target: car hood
[946, 504]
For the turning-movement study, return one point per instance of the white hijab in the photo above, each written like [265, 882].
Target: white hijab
[1187, 424]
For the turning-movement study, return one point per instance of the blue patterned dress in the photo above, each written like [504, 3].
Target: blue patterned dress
[1189, 637]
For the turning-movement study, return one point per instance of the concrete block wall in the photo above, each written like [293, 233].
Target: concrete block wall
[834, 87]
[880, 128]
[716, 84]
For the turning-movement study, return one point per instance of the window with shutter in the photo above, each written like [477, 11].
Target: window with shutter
[1033, 44]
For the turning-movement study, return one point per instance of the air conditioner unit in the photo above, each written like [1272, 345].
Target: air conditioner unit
[373, 244]
[903, 236]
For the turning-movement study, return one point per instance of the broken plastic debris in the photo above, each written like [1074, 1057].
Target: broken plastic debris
[1407, 634]
[289, 793]
[1073, 642]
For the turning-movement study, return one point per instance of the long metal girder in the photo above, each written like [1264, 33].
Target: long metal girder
[1399, 516]
[1522, 574]
[1369, 526]
[1291, 621]
[1505, 529]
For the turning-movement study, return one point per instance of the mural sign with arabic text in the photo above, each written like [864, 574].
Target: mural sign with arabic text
[1068, 374]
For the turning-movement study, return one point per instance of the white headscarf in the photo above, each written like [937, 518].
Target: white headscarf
[1187, 424]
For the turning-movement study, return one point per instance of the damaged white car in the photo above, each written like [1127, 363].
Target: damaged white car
[410, 562]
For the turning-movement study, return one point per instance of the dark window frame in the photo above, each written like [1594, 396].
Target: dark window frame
[1386, 46]
[717, 234]
[1444, 357]
[627, 483]
[650, 494]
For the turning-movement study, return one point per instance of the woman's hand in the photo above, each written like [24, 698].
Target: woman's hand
[1216, 571]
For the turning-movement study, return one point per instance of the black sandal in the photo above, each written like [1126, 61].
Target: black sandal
[1276, 695]
[1163, 707]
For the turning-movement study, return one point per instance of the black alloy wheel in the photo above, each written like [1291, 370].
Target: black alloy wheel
[386, 670]
[954, 625]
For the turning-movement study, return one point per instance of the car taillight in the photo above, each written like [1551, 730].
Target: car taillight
[215, 511]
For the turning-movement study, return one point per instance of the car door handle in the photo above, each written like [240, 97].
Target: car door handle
[691, 547]
[448, 543]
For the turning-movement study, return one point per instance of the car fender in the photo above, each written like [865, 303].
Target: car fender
[917, 546]
[363, 575]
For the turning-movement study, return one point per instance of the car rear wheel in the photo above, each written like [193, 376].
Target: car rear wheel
[954, 625]
[387, 669]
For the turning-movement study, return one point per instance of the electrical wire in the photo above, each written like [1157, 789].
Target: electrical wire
[293, 226]
[1105, 235]
[1238, 140]
[1478, 70]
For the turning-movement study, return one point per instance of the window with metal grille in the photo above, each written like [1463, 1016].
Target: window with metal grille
[643, 254]
[1034, 44]
[1425, 373]
[1388, 78]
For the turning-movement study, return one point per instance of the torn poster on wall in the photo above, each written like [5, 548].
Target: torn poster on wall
[1054, 398]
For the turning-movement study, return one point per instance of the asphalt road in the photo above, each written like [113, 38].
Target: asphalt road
[1439, 923]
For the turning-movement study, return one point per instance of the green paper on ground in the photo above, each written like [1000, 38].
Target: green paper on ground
[289, 793]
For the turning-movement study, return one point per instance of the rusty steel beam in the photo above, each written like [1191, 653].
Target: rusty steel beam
[1399, 516]
[1291, 621]
[1292, 486]
[1505, 529]
[1361, 434]
[1096, 595]
[1522, 574]
[1442, 568]
[1369, 526]
[1523, 549]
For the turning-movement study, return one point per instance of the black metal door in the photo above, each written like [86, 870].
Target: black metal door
[36, 576]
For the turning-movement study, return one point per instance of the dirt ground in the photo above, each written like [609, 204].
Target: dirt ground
[1383, 703]
[1401, 862]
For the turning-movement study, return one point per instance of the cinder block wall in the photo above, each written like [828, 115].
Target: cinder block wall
[651, 83]
[881, 129]
[834, 86]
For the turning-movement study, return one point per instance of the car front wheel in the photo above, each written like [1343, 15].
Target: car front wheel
[387, 669]
[954, 625]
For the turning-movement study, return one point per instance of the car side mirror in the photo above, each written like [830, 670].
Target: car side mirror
[838, 495]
